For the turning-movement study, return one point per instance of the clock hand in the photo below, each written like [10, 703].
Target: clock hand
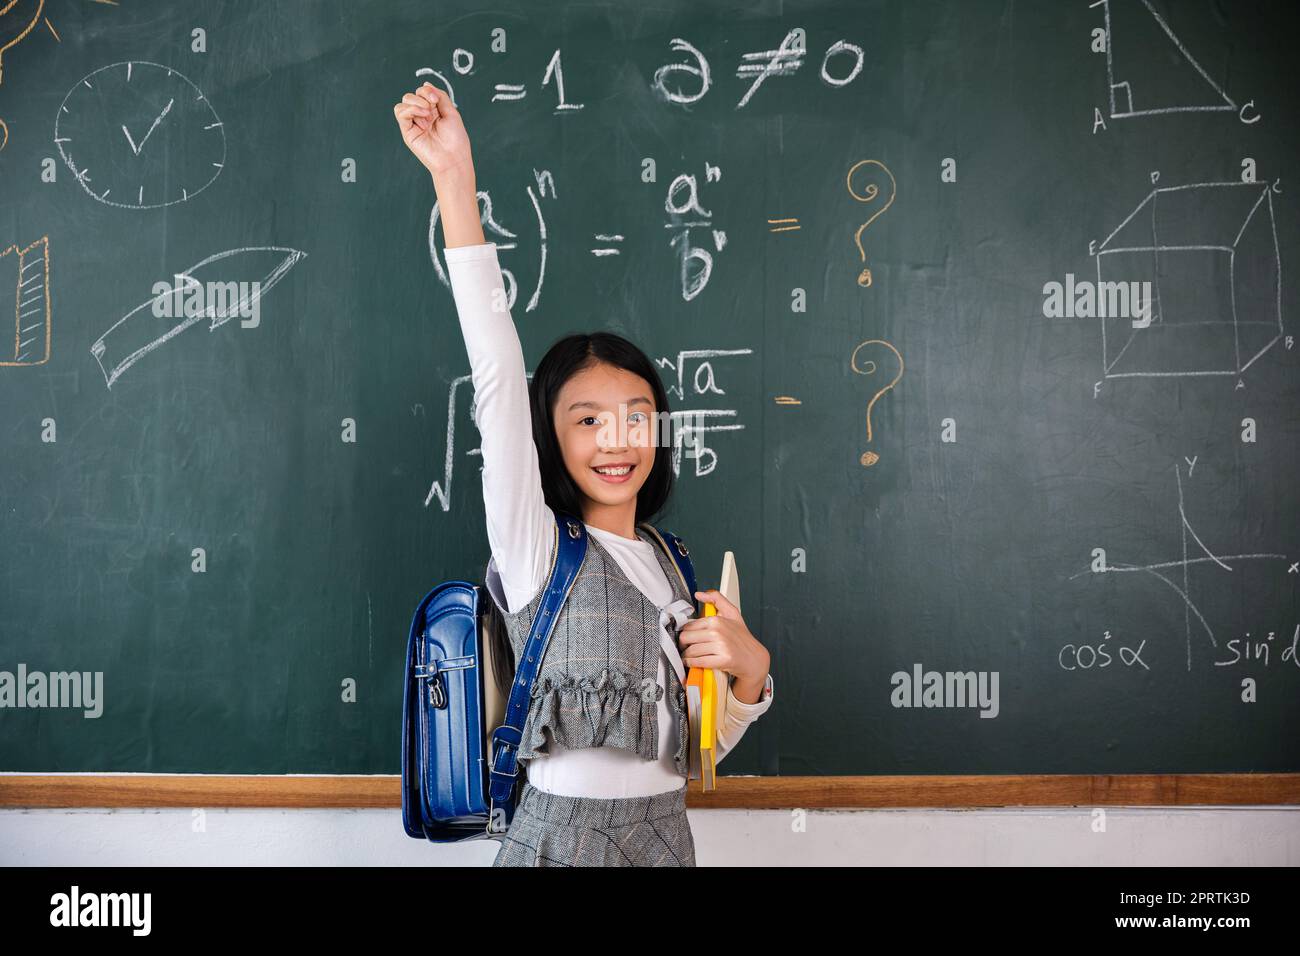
[136, 149]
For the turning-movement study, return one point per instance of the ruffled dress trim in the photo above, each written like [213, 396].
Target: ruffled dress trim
[608, 709]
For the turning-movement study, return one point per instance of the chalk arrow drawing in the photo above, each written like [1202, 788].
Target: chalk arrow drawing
[134, 336]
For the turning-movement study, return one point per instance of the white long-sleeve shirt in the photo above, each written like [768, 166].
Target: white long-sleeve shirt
[519, 527]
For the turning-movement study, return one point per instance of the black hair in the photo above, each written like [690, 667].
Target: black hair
[566, 358]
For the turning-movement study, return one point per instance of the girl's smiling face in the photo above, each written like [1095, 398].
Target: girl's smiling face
[592, 438]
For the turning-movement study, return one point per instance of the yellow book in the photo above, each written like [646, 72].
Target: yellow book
[706, 693]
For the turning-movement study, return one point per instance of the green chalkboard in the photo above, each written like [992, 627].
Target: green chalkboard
[836, 227]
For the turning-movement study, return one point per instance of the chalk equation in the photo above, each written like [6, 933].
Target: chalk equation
[682, 82]
[1175, 575]
[694, 374]
[683, 210]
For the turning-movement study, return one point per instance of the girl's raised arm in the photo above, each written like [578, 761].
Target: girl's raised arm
[520, 527]
[519, 524]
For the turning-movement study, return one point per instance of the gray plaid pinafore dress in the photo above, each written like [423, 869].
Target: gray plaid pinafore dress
[552, 829]
[604, 646]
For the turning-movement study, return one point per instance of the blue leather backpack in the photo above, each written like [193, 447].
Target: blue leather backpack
[460, 735]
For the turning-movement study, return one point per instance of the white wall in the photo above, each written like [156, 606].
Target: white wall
[1148, 837]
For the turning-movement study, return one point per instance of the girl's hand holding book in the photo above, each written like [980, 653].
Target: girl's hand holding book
[723, 641]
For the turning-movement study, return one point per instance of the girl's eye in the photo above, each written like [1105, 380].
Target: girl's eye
[592, 418]
[637, 416]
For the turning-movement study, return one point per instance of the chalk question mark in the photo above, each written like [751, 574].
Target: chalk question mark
[869, 457]
[870, 194]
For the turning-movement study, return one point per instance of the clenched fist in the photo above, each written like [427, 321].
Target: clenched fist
[432, 129]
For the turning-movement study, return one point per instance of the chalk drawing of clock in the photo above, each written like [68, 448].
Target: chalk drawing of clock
[139, 136]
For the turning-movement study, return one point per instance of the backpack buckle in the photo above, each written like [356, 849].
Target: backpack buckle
[681, 548]
[506, 735]
[437, 691]
[437, 695]
[573, 528]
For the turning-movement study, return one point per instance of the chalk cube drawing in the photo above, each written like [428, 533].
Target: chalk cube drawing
[1211, 254]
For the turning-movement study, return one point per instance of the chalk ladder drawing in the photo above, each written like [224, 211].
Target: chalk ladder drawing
[30, 270]
[1223, 309]
[1140, 43]
[133, 336]
[703, 383]
[1158, 569]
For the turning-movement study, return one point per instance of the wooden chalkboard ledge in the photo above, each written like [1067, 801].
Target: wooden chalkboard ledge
[921, 790]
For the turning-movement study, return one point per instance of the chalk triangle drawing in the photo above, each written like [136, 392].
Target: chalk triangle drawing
[1149, 69]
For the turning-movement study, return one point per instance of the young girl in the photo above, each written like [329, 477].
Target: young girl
[605, 739]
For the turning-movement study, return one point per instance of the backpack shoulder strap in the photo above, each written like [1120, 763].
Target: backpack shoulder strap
[570, 549]
[681, 555]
